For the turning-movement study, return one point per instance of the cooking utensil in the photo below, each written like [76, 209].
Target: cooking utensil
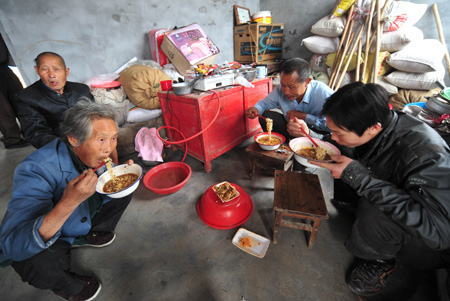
[185, 88]
[312, 140]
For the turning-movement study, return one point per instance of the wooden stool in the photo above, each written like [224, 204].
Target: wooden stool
[266, 159]
[298, 196]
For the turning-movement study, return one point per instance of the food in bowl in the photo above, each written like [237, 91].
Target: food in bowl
[225, 191]
[298, 144]
[314, 153]
[118, 171]
[120, 182]
[267, 140]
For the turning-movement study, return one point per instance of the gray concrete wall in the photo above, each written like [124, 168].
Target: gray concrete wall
[299, 15]
[97, 37]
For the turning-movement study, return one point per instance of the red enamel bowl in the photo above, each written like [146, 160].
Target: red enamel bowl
[219, 215]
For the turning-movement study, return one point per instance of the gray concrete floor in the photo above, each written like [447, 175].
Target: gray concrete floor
[163, 250]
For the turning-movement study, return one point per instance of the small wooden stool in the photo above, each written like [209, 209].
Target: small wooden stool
[299, 196]
[272, 159]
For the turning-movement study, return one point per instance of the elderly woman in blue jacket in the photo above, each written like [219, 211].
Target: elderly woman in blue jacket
[55, 207]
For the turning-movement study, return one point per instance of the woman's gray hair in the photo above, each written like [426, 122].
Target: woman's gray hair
[78, 119]
[297, 64]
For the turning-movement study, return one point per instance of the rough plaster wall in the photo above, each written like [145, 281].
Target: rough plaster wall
[97, 37]
[299, 15]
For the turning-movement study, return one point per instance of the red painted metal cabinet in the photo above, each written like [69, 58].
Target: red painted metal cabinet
[193, 112]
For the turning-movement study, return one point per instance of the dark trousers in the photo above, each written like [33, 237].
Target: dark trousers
[376, 236]
[50, 269]
[9, 85]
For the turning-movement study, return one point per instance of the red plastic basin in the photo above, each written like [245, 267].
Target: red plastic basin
[168, 177]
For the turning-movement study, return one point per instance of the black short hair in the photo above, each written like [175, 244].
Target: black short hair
[37, 60]
[358, 106]
[296, 64]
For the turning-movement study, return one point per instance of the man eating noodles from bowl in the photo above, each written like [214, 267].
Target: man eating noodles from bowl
[297, 96]
[394, 171]
[55, 207]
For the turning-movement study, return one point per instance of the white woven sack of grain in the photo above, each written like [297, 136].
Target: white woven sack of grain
[418, 57]
[321, 45]
[329, 27]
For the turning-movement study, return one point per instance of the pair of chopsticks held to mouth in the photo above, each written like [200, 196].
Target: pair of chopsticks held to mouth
[95, 169]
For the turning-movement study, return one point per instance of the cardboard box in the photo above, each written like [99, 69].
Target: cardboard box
[258, 42]
[187, 46]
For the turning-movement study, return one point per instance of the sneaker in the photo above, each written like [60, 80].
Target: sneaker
[89, 291]
[370, 276]
[96, 239]
[346, 207]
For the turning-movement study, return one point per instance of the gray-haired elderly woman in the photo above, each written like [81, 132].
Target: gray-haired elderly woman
[59, 208]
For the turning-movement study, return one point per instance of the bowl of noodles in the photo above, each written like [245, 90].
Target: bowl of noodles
[119, 181]
[271, 142]
[305, 151]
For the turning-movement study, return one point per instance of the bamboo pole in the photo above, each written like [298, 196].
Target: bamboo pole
[441, 35]
[341, 59]
[344, 38]
[352, 51]
[378, 43]
[374, 71]
[367, 48]
[358, 59]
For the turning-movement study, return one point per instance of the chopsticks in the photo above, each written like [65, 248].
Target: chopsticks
[103, 163]
[262, 117]
[312, 140]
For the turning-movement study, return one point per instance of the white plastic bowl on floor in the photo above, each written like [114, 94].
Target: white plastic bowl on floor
[118, 171]
[304, 142]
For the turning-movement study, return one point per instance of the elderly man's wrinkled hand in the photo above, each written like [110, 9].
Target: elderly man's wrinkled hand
[294, 126]
[337, 167]
[252, 113]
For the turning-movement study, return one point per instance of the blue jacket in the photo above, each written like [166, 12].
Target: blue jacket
[39, 183]
[315, 96]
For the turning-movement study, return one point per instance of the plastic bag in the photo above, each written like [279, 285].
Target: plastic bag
[240, 80]
[341, 7]
[102, 79]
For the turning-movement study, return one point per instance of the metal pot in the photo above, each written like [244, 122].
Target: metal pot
[185, 88]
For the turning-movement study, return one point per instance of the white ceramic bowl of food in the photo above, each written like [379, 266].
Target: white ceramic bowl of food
[268, 146]
[304, 142]
[118, 171]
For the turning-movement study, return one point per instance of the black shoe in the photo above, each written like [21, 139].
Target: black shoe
[370, 276]
[96, 239]
[346, 207]
[21, 143]
[89, 291]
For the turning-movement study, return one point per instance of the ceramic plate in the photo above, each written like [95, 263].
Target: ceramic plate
[251, 243]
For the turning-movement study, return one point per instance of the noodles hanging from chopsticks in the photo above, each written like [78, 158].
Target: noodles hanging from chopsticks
[269, 125]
